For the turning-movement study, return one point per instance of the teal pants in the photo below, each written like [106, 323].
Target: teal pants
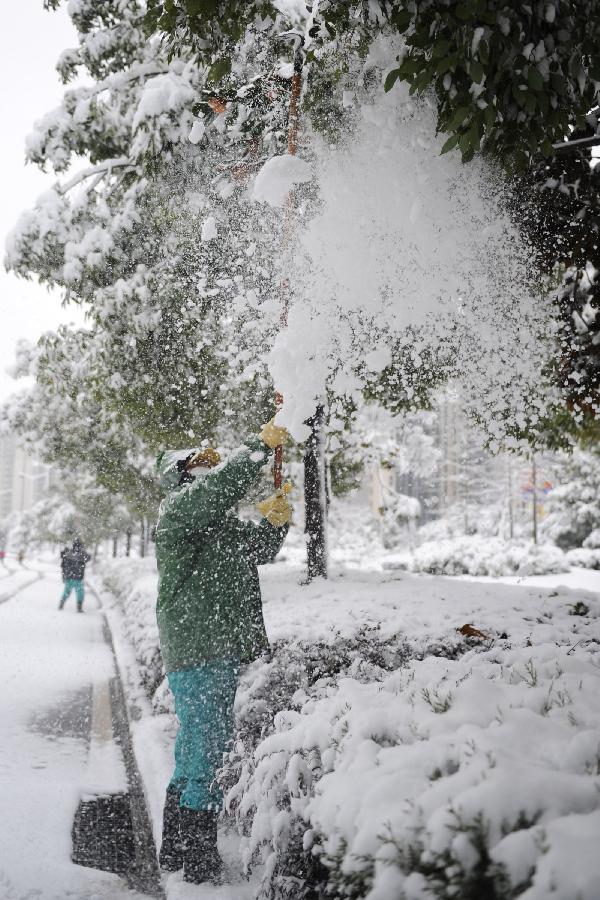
[73, 584]
[204, 697]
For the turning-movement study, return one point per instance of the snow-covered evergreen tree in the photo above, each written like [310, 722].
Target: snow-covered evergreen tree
[574, 506]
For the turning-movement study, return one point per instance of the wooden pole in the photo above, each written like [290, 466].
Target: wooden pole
[292, 148]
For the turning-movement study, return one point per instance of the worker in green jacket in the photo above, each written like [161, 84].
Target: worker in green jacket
[210, 622]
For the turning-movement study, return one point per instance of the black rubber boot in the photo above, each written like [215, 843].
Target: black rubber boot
[201, 860]
[170, 857]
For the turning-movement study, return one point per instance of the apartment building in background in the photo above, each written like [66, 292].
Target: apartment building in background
[23, 480]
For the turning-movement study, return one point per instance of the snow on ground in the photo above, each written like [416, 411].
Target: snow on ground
[411, 757]
[49, 665]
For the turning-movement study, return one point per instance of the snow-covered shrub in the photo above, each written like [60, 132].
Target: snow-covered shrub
[267, 791]
[399, 517]
[592, 541]
[474, 777]
[465, 519]
[476, 555]
[588, 556]
[574, 507]
[354, 534]
[584, 558]
[133, 582]
[398, 759]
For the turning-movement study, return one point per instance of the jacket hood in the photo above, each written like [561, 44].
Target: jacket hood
[168, 470]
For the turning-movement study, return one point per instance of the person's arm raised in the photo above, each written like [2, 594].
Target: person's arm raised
[211, 496]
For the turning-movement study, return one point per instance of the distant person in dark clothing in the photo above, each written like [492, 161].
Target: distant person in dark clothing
[72, 563]
[63, 556]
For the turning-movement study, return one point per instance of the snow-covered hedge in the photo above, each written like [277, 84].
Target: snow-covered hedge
[471, 777]
[134, 583]
[584, 558]
[476, 555]
[381, 755]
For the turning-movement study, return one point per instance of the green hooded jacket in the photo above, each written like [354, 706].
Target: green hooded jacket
[209, 603]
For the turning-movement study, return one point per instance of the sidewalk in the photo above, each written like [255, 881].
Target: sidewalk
[52, 665]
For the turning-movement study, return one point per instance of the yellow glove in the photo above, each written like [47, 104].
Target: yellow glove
[206, 459]
[273, 435]
[276, 509]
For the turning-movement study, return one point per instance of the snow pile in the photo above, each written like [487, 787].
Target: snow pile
[477, 555]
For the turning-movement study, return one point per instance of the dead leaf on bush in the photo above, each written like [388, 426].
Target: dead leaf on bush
[469, 631]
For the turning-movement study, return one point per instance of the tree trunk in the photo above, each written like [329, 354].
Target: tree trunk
[142, 539]
[511, 515]
[128, 542]
[534, 499]
[315, 502]
[115, 545]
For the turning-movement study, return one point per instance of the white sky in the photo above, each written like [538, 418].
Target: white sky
[30, 43]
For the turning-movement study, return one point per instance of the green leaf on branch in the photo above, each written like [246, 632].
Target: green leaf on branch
[440, 48]
[535, 80]
[391, 79]
[457, 118]
[489, 117]
[219, 70]
[409, 67]
[401, 20]
[476, 72]
[449, 62]
[450, 144]
[464, 142]
[463, 11]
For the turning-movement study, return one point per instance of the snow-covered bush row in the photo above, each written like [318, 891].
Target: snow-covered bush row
[379, 754]
[584, 558]
[471, 777]
[574, 507]
[133, 582]
[477, 555]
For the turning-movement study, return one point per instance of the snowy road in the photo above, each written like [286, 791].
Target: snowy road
[50, 666]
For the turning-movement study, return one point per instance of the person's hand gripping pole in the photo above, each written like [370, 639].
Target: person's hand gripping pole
[275, 437]
[276, 508]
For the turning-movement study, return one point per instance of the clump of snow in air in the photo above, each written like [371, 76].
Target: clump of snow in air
[278, 177]
[197, 132]
[294, 11]
[406, 240]
[209, 229]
